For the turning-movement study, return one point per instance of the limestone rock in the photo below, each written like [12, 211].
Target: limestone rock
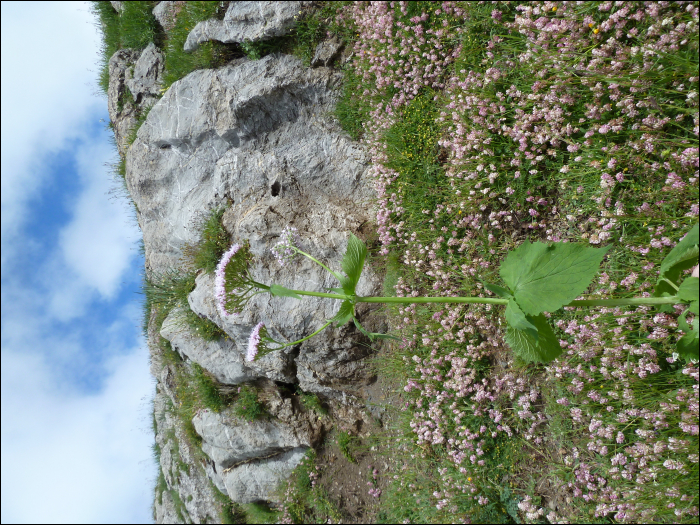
[229, 440]
[166, 13]
[257, 481]
[118, 6]
[255, 135]
[134, 85]
[247, 22]
[220, 357]
[122, 112]
[145, 80]
[278, 366]
[326, 52]
[184, 475]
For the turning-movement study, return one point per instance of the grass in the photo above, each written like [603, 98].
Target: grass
[346, 444]
[166, 291]
[247, 406]
[311, 401]
[458, 192]
[302, 498]
[213, 242]
[509, 132]
[135, 27]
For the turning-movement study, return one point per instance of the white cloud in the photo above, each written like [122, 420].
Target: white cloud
[48, 50]
[75, 417]
[98, 245]
[71, 458]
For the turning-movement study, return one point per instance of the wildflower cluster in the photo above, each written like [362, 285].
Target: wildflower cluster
[233, 286]
[285, 250]
[561, 122]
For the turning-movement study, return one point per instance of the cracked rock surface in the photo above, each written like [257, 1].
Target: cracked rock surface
[247, 22]
[257, 137]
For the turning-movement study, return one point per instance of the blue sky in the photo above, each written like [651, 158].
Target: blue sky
[76, 389]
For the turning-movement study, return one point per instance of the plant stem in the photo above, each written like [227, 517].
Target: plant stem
[305, 338]
[318, 262]
[411, 300]
[632, 301]
[323, 294]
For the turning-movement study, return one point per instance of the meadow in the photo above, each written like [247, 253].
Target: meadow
[489, 124]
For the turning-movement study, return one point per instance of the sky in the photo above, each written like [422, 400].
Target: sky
[76, 389]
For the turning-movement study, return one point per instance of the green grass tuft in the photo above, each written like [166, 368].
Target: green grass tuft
[247, 406]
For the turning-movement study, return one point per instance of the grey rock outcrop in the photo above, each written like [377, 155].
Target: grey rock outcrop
[220, 357]
[257, 136]
[250, 458]
[326, 52]
[187, 495]
[229, 440]
[247, 22]
[144, 81]
[135, 80]
[166, 13]
[257, 481]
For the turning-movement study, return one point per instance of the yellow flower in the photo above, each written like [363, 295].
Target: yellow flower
[554, 8]
[596, 30]
[469, 479]
[590, 25]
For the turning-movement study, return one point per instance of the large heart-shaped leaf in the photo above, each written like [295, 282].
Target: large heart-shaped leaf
[541, 350]
[689, 289]
[517, 319]
[682, 251]
[545, 277]
[688, 346]
[352, 263]
[683, 256]
[281, 291]
[498, 290]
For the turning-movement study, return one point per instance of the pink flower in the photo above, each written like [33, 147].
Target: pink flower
[254, 341]
[220, 281]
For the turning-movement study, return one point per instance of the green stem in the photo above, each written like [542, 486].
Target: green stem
[632, 301]
[305, 338]
[323, 294]
[411, 300]
[318, 262]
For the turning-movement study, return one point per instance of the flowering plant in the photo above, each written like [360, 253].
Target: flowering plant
[541, 277]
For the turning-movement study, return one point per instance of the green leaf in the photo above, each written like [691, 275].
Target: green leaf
[498, 290]
[344, 313]
[688, 346]
[353, 262]
[689, 290]
[695, 307]
[281, 291]
[517, 319]
[337, 290]
[541, 350]
[374, 335]
[359, 327]
[348, 287]
[545, 277]
[683, 256]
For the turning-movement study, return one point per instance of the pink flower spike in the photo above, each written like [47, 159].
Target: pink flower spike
[253, 342]
[220, 281]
